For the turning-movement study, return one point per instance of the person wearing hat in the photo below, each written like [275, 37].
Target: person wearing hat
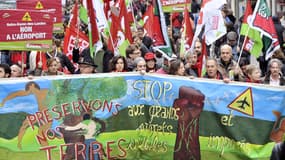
[86, 66]
[150, 62]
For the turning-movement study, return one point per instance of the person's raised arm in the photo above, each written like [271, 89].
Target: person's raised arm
[14, 95]
[75, 53]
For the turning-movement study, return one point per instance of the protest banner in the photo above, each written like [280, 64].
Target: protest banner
[175, 5]
[25, 30]
[45, 5]
[138, 117]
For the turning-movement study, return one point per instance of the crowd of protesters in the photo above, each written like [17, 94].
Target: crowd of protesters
[224, 61]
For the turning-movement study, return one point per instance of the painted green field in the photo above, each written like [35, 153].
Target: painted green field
[144, 145]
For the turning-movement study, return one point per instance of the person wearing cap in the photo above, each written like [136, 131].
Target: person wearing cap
[150, 62]
[86, 66]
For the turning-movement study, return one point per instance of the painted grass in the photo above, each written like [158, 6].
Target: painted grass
[140, 145]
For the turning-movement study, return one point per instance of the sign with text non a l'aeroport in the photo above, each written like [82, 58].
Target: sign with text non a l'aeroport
[25, 30]
[54, 6]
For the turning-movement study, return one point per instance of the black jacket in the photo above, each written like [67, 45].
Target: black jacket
[267, 79]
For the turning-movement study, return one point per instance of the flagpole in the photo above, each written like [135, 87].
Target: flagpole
[133, 15]
[22, 64]
[239, 37]
[243, 44]
[78, 22]
[110, 36]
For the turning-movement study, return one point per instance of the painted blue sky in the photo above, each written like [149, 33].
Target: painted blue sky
[218, 96]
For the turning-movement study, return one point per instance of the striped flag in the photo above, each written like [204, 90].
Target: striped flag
[262, 21]
[252, 37]
[187, 33]
[120, 31]
[211, 19]
[74, 35]
[155, 27]
[94, 40]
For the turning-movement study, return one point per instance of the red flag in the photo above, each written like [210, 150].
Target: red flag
[119, 31]
[116, 33]
[152, 24]
[74, 18]
[127, 20]
[106, 8]
[130, 13]
[93, 25]
[148, 21]
[71, 36]
[156, 28]
[188, 29]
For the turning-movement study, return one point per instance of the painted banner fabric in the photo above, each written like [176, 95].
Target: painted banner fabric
[48, 5]
[25, 30]
[130, 116]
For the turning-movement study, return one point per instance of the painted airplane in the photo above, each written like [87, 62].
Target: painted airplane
[243, 103]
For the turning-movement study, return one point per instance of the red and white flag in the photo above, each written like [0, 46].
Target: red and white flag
[211, 19]
[187, 33]
[73, 35]
[262, 21]
[120, 27]
[155, 27]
